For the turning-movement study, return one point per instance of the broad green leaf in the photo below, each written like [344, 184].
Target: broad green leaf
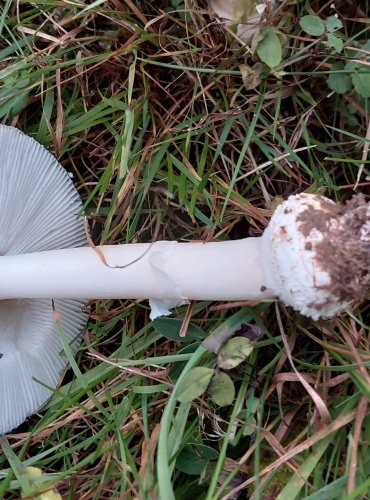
[269, 49]
[170, 328]
[177, 368]
[252, 405]
[194, 458]
[313, 25]
[335, 42]
[333, 23]
[234, 352]
[249, 427]
[361, 82]
[339, 82]
[221, 389]
[194, 384]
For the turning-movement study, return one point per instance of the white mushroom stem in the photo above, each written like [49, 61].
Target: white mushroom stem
[314, 256]
[165, 271]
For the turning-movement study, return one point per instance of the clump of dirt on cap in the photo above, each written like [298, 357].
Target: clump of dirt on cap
[344, 252]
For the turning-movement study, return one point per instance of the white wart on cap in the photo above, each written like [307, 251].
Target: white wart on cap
[318, 254]
[39, 207]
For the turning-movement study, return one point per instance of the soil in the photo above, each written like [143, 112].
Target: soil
[344, 252]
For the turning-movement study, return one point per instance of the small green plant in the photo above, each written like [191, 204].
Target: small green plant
[218, 384]
[315, 26]
[353, 74]
[344, 75]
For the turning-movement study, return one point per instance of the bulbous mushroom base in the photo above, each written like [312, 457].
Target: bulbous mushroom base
[318, 254]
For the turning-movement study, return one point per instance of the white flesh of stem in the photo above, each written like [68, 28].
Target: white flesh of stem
[231, 270]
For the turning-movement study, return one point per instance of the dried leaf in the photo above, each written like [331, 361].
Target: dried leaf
[251, 76]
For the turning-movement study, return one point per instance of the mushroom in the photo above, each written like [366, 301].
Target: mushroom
[39, 207]
[314, 255]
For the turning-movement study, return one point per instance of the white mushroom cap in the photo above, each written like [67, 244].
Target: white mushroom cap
[39, 207]
[317, 254]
